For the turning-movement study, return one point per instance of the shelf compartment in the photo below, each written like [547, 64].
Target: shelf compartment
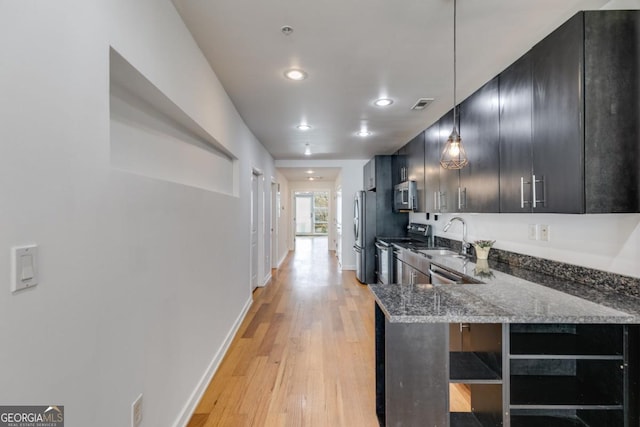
[570, 418]
[486, 407]
[565, 391]
[470, 367]
[580, 341]
[464, 419]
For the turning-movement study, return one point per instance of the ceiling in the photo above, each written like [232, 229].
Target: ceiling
[303, 174]
[354, 52]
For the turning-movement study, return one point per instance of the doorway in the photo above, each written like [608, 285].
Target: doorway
[255, 229]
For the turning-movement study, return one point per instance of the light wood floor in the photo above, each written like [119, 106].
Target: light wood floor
[304, 353]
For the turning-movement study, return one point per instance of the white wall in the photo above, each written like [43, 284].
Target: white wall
[604, 242]
[283, 221]
[141, 280]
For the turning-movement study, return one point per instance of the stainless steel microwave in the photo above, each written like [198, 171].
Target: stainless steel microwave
[405, 196]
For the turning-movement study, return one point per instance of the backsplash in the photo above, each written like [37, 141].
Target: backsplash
[601, 280]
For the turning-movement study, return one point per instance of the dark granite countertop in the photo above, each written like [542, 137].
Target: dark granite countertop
[507, 295]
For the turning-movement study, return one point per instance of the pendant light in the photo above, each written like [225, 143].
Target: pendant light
[453, 156]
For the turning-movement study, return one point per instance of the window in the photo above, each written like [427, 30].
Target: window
[312, 213]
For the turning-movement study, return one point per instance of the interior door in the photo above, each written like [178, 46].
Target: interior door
[254, 231]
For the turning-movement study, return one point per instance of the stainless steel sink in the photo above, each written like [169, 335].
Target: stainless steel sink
[439, 252]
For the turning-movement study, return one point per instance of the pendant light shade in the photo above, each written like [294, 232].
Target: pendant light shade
[453, 156]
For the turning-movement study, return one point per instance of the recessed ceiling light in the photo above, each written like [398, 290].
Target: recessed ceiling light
[309, 171]
[303, 127]
[383, 102]
[295, 74]
[363, 133]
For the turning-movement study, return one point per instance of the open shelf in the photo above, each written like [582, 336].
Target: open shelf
[565, 391]
[468, 367]
[570, 340]
[464, 419]
[545, 420]
[567, 418]
[558, 344]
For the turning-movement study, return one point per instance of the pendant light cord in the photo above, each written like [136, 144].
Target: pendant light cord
[454, 64]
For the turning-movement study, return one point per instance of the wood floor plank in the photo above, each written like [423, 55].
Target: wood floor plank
[304, 354]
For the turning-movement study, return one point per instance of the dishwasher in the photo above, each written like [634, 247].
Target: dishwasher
[440, 276]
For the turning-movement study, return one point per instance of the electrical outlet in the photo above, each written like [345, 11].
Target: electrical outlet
[533, 232]
[136, 412]
[545, 233]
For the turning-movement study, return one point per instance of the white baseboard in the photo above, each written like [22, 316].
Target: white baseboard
[282, 259]
[266, 280]
[348, 267]
[194, 399]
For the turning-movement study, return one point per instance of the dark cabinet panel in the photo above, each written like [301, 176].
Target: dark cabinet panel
[516, 155]
[449, 178]
[369, 175]
[558, 120]
[479, 128]
[612, 111]
[415, 167]
[399, 166]
[432, 147]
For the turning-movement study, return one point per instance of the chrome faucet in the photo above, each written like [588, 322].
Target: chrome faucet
[465, 244]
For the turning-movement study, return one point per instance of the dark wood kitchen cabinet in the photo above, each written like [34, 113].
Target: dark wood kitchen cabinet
[479, 127]
[433, 145]
[569, 127]
[399, 166]
[516, 150]
[415, 167]
[369, 174]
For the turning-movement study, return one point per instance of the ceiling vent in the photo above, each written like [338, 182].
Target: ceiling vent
[422, 103]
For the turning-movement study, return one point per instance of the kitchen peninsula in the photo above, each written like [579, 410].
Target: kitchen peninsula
[535, 350]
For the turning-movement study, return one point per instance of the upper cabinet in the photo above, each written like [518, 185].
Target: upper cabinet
[558, 104]
[556, 132]
[415, 168]
[479, 127]
[369, 175]
[612, 111]
[432, 148]
[569, 112]
[516, 105]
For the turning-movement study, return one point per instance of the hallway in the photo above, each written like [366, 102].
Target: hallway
[304, 353]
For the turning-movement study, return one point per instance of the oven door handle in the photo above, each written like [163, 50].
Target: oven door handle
[382, 247]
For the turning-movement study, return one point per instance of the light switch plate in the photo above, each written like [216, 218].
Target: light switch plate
[533, 232]
[24, 267]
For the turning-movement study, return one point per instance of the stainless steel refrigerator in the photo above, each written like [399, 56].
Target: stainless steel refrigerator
[359, 230]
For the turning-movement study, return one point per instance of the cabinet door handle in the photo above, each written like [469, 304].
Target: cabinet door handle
[534, 183]
[533, 191]
[459, 198]
[522, 192]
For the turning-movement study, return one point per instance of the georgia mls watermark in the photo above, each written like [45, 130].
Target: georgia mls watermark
[32, 416]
